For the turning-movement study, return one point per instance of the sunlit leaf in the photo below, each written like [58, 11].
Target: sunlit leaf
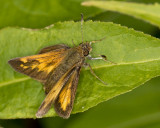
[137, 58]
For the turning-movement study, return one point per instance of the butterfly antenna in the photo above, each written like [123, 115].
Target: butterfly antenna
[82, 26]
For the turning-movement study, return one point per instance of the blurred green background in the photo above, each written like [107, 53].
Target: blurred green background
[139, 108]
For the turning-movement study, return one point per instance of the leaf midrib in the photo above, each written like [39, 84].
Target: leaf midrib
[129, 63]
[98, 67]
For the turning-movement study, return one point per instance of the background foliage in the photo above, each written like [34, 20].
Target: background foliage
[139, 108]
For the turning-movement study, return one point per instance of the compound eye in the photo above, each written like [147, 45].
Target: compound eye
[85, 53]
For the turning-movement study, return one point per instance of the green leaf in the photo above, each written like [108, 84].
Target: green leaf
[41, 13]
[137, 58]
[137, 109]
[147, 12]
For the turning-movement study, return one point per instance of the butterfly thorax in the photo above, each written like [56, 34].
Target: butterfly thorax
[84, 49]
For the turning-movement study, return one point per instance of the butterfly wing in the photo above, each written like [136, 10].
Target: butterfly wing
[64, 102]
[58, 69]
[54, 47]
[41, 65]
[53, 93]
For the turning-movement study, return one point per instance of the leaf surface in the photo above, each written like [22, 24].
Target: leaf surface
[137, 58]
[137, 109]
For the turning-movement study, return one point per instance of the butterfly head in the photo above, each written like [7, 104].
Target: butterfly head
[86, 48]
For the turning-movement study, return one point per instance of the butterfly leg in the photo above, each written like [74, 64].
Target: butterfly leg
[93, 73]
[73, 43]
[96, 58]
[101, 57]
[94, 41]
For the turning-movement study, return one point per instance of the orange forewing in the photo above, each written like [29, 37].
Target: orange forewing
[39, 66]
